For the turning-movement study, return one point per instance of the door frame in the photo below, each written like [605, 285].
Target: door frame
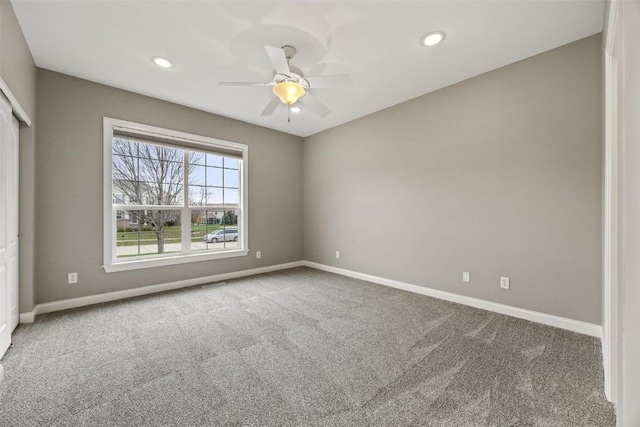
[23, 117]
[611, 212]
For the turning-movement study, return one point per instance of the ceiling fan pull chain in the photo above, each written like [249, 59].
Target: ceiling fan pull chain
[288, 114]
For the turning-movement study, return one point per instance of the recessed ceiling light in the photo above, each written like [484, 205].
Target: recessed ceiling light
[432, 39]
[295, 109]
[162, 62]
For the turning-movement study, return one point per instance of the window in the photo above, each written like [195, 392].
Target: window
[171, 197]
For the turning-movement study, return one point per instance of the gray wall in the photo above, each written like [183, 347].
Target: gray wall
[499, 175]
[629, 292]
[19, 72]
[69, 186]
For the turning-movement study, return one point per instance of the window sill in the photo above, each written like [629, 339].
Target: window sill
[172, 260]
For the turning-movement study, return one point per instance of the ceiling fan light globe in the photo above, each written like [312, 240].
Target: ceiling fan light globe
[289, 92]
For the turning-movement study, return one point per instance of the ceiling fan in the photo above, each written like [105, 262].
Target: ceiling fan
[290, 85]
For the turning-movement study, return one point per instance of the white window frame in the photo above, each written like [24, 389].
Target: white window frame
[110, 261]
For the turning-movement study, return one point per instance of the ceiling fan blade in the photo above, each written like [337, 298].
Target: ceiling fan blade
[331, 80]
[242, 83]
[271, 107]
[318, 107]
[279, 60]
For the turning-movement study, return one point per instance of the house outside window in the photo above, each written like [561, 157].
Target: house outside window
[171, 197]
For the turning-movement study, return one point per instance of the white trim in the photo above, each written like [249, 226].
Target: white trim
[28, 317]
[521, 313]
[111, 263]
[611, 226]
[534, 316]
[66, 304]
[611, 24]
[108, 248]
[189, 138]
[15, 105]
[171, 260]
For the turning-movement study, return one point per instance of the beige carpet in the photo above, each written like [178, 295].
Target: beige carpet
[298, 347]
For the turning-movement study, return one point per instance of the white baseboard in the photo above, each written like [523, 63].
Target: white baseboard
[521, 313]
[66, 304]
[28, 317]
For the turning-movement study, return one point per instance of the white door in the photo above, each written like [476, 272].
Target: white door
[8, 224]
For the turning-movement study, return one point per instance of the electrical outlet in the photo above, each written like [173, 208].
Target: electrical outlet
[337, 254]
[465, 277]
[504, 282]
[258, 254]
[73, 278]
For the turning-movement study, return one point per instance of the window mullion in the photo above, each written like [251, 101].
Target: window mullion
[186, 214]
[114, 230]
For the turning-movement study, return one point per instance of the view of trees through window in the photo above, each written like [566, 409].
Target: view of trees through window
[156, 187]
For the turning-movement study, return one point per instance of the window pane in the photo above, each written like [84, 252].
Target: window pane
[124, 147]
[214, 196]
[145, 233]
[231, 163]
[125, 166]
[161, 170]
[197, 195]
[213, 230]
[214, 177]
[214, 160]
[230, 218]
[197, 158]
[196, 175]
[231, 196]
[232, 235]
[204, 196]
[231, 178]
[160, 152]
[150, 172]
[126, 192]
[172, 194]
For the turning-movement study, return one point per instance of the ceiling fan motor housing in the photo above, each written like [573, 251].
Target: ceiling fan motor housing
[289, 51]
[296, 76]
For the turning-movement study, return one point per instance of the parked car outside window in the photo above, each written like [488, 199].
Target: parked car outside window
[222, 235]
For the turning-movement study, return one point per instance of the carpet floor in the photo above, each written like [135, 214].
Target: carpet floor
[298, 347]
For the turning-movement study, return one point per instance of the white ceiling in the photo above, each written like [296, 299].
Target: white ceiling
[112, 42]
